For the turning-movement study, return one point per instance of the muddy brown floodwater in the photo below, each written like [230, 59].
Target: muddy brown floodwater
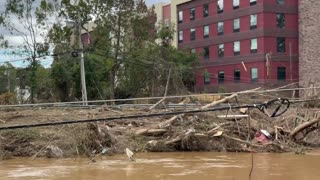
[169, 166]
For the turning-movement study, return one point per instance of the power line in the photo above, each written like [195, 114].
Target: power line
[131, 117]
[263, 107]
[155, 98]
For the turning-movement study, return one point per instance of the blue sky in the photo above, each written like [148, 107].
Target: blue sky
[150, 2]
[18, 58]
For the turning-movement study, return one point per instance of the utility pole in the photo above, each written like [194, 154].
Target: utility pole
[8, 75]
[82, 71]
[291, 78]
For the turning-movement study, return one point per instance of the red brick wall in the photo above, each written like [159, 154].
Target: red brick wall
[309, 45]
[166, 12]
[266, 33]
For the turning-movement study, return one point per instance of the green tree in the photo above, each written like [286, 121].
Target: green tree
[29, 19]
[7, 78]
[123, 60]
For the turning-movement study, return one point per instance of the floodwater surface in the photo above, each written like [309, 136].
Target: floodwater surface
[168, 166]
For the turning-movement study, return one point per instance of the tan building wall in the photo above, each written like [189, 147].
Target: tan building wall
[309, 46]
[159, 12]
[174, 19]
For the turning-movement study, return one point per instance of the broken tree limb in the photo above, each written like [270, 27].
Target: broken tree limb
[219, 101]
[302, 127]
[155, 105]
[214, 130]
[215, 103]
[232, 116]
[170, 121]
[165, 92]
[172, 141]
[151, 132]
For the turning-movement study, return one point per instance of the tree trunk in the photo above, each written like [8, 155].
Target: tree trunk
[112, 77]
[33, 79]
[116, 56]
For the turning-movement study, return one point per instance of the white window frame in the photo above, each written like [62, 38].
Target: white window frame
[253, 20]
[254, 44]
[221, 26]
[191, 31]
[180, 16]
[180, 36]
[220, 4]
[206, 30]
[236, 3]
[236, 22]
[254, 74]
[236, 46]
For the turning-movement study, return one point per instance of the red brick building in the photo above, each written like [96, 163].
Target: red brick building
[240, 43]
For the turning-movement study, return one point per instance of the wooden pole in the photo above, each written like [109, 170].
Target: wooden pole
[291, 78]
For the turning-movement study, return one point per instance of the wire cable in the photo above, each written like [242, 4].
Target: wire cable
[155, 98]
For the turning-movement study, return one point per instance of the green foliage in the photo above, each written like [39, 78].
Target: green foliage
[29, 20]
[65, 78]
[123, 60]
[7, 78]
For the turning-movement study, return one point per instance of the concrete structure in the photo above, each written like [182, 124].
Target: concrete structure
[309, 46]
[241, 43]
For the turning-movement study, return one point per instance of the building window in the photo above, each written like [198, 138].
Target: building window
[220, 50]
[236, 75]
[236, 48]
[206, 31]
[205, 10]
[281, 73]
[281, 20]
[166, 23]
[254, 46]
[180, 39]
[236, 25]
[220, 28]
[206, 78]
[281, 44]
[192, 34]
[220, 6]
[253, 21]
[280, 1]
[235, 4]
[254, 74]
[221, 77]
[180, 16]
[193, 51]
[192, 14]
[206, 53]
[253, 2]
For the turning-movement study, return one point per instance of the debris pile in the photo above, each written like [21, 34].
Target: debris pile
[230, 130]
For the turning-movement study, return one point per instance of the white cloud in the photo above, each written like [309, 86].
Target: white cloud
[150, 2]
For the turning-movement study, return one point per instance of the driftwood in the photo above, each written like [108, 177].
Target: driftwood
[170, 121]
[151, 132]
[232, 116]
[175, 140]
[215, 103]
[214, 130]
[303, 127]
[130, 154]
